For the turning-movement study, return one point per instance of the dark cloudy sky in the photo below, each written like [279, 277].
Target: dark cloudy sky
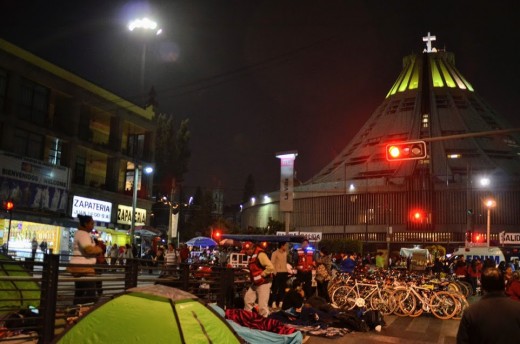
[259, 77]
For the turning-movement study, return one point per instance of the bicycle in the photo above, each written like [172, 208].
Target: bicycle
[414, 300]
[371, 293]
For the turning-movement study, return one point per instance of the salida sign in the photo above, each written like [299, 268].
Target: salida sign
[124, 215]
[509, 238]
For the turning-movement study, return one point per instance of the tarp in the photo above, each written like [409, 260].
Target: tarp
[408, 252]
[154, 313]
[17, 289]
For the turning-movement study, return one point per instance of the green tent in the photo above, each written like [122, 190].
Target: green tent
[18, 289]
[151, 314]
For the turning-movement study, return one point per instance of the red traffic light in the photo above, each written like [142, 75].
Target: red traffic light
[410, 150]
[217, 234]
[478, 237]
[418, 216]
[8, 205]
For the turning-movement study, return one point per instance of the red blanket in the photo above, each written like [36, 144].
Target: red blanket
[256, 321]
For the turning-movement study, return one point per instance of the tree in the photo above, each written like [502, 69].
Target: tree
[200, 218]
[249, 189]
[172, 154]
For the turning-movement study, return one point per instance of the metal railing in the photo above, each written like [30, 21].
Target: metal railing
[38, 299]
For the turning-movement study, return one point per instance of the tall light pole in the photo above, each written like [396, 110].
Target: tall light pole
[146, 26]
[147, 170]
[490, 203]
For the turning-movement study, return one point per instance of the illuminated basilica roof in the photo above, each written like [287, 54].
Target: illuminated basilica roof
[430, 99]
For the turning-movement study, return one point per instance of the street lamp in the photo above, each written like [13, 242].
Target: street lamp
[490, 203]
[147, 170]
[144, 25]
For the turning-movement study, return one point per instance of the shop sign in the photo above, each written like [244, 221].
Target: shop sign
[99, 210]
[124, 215]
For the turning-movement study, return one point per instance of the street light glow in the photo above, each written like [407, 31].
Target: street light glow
[485, 181]
[490, 203]
[142, 23]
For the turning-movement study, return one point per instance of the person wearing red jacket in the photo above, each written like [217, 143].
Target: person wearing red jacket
[261, 270]
[513, 287]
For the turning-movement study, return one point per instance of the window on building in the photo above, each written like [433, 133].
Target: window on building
[55, 151]
[28, 144]
[34, 102]
[136, 145]
[80, 168]
[129, 177]
[426, 120]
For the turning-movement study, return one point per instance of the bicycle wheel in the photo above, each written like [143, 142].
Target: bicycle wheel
[344, 297]
[443, 305]
[383, 301]
[466, 288]
[405, 302]
[462, 305]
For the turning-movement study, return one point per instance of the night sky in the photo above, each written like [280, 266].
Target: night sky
[260, 77]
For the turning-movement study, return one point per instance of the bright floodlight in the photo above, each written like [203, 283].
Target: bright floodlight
[148, 169]
[490, 203]
[485, 181]
[143, 23]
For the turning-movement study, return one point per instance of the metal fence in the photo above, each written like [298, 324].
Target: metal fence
[37, 298]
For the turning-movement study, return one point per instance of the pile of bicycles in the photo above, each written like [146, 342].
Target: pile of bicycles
[400, 293]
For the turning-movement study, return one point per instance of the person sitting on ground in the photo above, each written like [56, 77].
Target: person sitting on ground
[493, 319]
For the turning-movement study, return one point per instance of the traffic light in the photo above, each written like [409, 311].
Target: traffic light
[217, 234]
[418, 216]
[8, 205]
[410, 150]
[478, 237]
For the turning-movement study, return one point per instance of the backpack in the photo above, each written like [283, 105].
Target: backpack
[373, 318]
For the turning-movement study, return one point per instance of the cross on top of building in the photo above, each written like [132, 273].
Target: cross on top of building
[428, 39]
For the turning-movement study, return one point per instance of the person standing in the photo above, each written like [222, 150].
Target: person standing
[184, 253]
[324, 273]
[171, 259]
[260, 271]
[43, 246]
[305, 266]
[493, 319]
[84, 254]
[114, 253]
[279, 260]
[348, 263]
[34, 247]
[380, 260]
[128, 254]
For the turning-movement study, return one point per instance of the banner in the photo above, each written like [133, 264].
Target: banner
[32, 183]
[311, 236]
[174, 223]
[286, 180]
[509, 238]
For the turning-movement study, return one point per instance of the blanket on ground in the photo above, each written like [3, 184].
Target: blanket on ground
[256, 321]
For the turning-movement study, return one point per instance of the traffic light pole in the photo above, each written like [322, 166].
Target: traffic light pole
[9, 230]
